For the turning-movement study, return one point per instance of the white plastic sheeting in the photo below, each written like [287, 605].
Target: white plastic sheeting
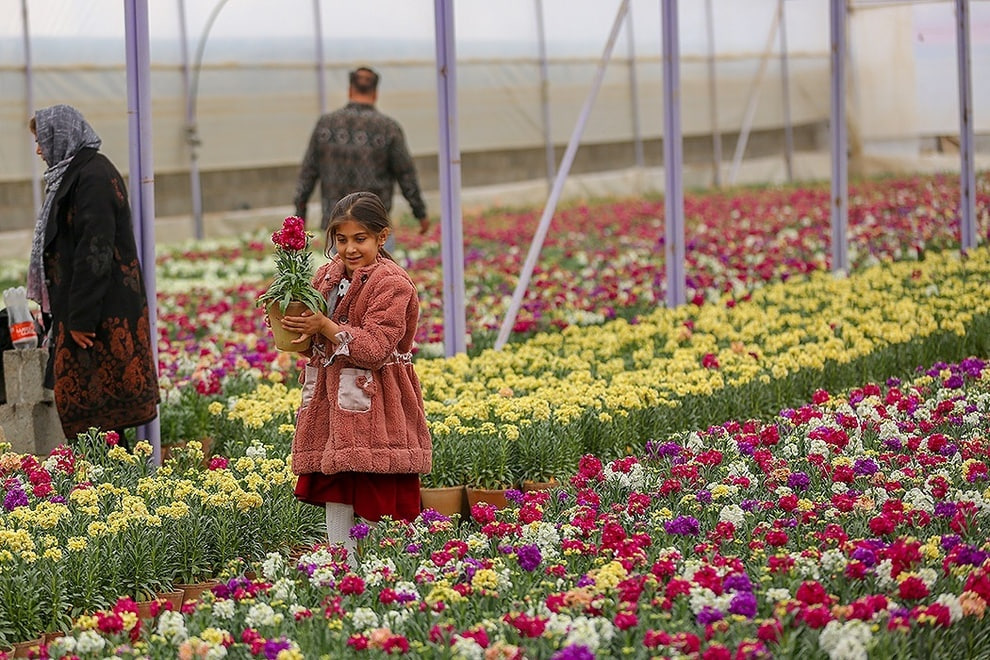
[258, 93]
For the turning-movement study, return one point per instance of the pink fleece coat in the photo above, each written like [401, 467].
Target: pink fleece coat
[363, 406]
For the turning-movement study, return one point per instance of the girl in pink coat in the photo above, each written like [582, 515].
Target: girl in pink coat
[361, 438]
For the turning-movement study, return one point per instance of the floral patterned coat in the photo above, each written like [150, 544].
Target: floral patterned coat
[362, 404]
[95, 284]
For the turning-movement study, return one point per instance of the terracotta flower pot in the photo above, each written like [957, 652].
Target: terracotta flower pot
[495, 497]
[195, 590]
[447, 501]
[283, 338]
[529, 485]
[23, 649]
[174, 598]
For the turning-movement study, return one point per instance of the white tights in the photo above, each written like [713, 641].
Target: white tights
[340, 519]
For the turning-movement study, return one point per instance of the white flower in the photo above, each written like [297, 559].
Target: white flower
[262, 614]
[833, 560]
[283, 589]
[89, 641]
[778, 595]
[951, 601]
[591, 633]
[364, 618]
[273, 566]
[466, 648]
[732, 513]
[256, 450]
[222, 609]
[172, 626]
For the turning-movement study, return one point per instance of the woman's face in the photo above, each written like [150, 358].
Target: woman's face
[37, 147]
[356, 245]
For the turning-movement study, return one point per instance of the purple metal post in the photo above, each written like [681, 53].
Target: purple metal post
[967, 180]
[558, 185]
[29, 101]
[142, 175]
[785, 92]
[713, 97]
[192, 135]
[321, 83]
[449, 173]
[673, 158]
[545, 94]
[840, 177]
[634, 92]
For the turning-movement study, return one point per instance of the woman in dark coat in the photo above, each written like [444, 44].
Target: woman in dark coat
[84, 270]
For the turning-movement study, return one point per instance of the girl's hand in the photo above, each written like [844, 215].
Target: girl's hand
[307, 325]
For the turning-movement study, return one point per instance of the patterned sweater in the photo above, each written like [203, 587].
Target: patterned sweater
[357, 148]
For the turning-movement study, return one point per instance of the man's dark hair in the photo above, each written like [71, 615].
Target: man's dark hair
[364, 80]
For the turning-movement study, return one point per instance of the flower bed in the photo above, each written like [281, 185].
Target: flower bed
[855, 525]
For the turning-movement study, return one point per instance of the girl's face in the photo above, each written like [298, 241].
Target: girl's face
[356, 245]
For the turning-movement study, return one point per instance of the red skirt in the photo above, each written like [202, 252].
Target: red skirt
[372, 495]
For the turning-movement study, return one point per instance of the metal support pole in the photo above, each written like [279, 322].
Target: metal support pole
[321, 83]
[449, 170]
[142, 176]
[754, 98]
[192, 136]
[673, 158]
[29, 102]
[840, 171]
[545, 94]
[558, 185]
[634, 93]
[713, 97]
[967, 185]
[785, 93]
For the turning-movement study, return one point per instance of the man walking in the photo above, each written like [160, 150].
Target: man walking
[357, 148]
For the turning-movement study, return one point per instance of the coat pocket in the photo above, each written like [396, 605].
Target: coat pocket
[309, 385]
[356, 388]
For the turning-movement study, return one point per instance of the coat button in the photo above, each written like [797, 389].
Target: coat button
[364, 278]
[343, 319]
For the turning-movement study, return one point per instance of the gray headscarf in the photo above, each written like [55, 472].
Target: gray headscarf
[61, 133]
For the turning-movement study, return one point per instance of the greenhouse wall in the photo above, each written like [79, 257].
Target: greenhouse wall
[257, 89]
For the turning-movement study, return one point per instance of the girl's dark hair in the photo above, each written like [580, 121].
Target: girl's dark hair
[364, 208]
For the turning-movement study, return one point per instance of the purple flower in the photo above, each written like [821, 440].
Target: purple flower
[15, 498]
[949, 449]
[704, 496]
[665, 449]
[529, 557]
[360, 531]
[749, 505]
[431, 516]
[413, 549]
[953, 382]
[743, 603]
[682, 526]
[514, 495]
[574, 652]
[945, 509]
[737, 582]
[798, 481]
[893, 382]
[709, 614]
[950, 541]
[274, 646]
[893, 444]
[864, 555]
[865, 466]
[969, 555]
[585, 581]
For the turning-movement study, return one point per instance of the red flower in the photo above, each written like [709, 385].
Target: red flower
[912, 588]
[812, 593]
[709, 361]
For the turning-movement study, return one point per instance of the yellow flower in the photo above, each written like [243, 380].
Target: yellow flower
[485, 579]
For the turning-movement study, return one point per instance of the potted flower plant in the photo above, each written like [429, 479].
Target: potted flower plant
[291, 291]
